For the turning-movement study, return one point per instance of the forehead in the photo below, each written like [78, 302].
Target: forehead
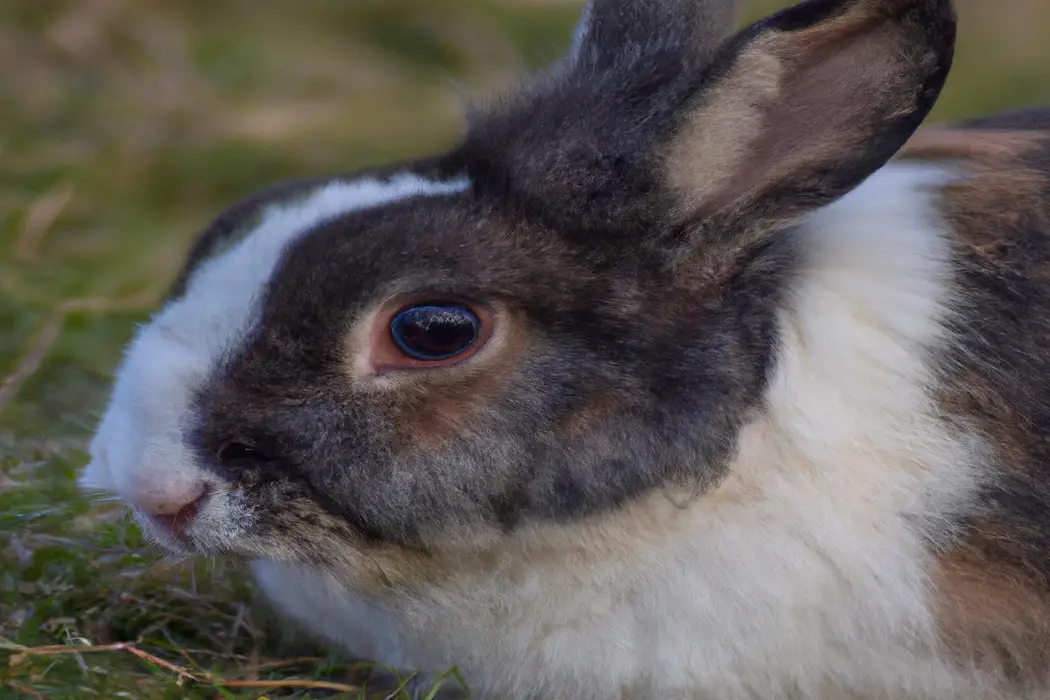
[460, 245]
[223, 295]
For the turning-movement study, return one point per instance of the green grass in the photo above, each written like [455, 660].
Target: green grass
[124, 127]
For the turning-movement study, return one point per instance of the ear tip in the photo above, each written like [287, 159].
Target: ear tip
[933, 23]
[609, 28]
[812, 11]
[942, 12]
[938, 22]
[937, 18]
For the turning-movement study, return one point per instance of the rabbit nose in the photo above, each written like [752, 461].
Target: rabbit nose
[175, 510]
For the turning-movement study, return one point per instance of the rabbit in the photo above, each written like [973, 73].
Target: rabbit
[698, 368]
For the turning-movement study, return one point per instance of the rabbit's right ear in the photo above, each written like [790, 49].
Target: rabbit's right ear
[613, 31]
[661, 124]
[803, 106]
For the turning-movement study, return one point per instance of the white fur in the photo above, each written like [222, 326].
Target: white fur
[804, 575]
[579, 35]
[139, 451]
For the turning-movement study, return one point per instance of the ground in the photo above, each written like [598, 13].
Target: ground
[124, 127]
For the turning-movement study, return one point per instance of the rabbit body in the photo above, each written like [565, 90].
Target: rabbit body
[756, 404]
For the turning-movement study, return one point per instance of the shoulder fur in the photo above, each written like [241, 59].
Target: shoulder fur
[994, 587]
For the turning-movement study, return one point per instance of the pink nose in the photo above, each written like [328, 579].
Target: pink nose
[174, 510]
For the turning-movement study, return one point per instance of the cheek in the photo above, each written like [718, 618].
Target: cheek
[435, 415]
[589, 409]
[296, 529]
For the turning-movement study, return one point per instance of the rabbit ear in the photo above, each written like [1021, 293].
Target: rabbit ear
[806, 104]
[614, 29]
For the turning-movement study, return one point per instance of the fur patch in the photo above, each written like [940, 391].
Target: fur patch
[993, 618]
[994, 585]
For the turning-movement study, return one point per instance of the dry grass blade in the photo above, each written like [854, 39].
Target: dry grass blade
[183, 674]
[42, 215]
[280, 663]
[34, 358]
[24, 690]
[288, 683]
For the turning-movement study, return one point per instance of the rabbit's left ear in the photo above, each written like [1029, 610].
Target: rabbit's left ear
[803, 106]
[614, 31]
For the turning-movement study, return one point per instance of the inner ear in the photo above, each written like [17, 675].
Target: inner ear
[808, 103]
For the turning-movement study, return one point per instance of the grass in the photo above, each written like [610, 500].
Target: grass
[124, 127]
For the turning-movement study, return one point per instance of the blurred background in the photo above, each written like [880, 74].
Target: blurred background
[125, 126]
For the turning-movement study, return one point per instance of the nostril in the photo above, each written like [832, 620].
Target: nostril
[177, 514]
[187, 513]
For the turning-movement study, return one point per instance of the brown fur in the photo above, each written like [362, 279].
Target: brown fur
[973, 395]
[599, 405]
[1004, 182]
[992, 618]
[989, 148]
[994, 587]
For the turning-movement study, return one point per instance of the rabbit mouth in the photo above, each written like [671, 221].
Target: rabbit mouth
[239, 524]
[217, 523]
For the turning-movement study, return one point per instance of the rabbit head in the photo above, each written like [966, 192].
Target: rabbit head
[596, 258]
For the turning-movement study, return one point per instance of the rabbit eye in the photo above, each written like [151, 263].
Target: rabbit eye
[233, 452]
[435, 332]
[421, 333]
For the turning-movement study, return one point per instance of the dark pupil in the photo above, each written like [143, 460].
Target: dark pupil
[237, 452]
[434, 332]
